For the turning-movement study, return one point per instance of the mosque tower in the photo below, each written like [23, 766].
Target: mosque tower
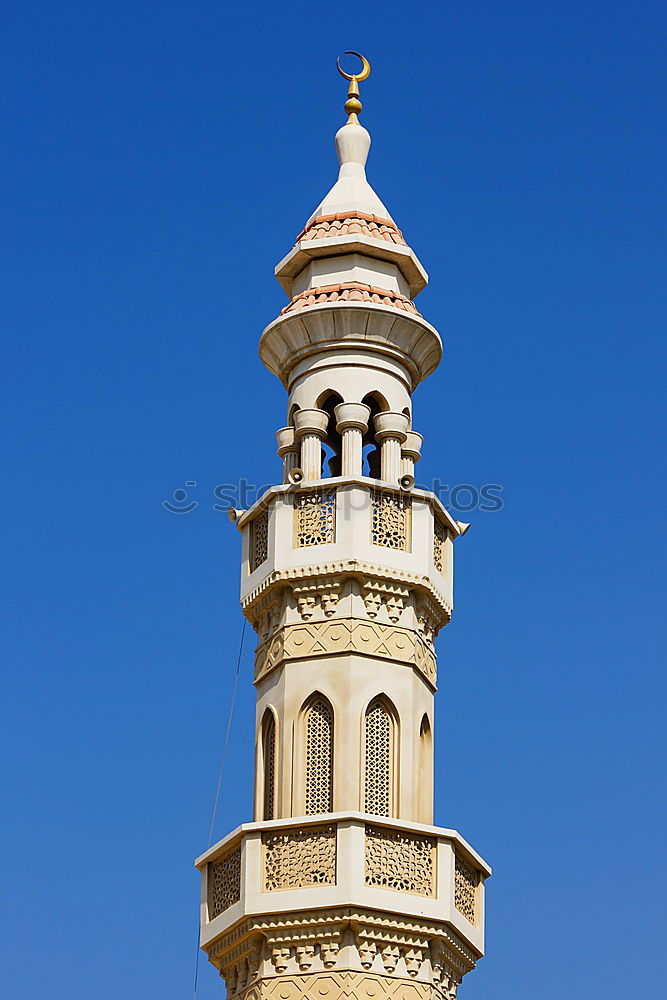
[341, 886]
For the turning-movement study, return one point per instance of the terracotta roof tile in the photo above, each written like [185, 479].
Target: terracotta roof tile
[353, 291]
[349, 223]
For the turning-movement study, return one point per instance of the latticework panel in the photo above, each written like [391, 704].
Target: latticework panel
[259, 540]
[391, 520]
[269, 755]
[299, 858]
[315, 518]
[399, 860]
[224, 882]
[439, 540]
[378, 760]
[466, 880]
[319, 758]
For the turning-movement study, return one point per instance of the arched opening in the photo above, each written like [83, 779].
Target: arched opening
[290, 416]
[380, 765]
[269, 761]
[318, 740]
[406, 411]
[332, 444]
[370, 447]
[425, 773]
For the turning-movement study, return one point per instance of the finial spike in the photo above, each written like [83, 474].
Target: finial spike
[353, 104]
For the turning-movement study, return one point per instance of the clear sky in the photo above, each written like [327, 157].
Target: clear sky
[159, 159]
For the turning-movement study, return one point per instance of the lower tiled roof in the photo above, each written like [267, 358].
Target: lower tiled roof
[350, 291]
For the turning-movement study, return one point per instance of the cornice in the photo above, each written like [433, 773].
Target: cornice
[383, 329]
[306, 250]
[344, 569]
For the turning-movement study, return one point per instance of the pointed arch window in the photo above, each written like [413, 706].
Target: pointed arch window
[269, 756]
[379, 741]
[318, 797]
[425, 775]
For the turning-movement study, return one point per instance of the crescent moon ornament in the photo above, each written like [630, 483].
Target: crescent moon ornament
[353, 104]
[365, 67]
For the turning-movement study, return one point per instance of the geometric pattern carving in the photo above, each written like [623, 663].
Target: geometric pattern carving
[466, 880]
[319, 758]
[343, 985]
[391, 520]
[399, 860]
[259, 540]
[341, 635]
[378, 759]
[224, 882]
[439, 540]
[315, 517]
[300, 858]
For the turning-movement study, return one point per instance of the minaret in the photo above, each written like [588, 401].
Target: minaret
[341, 886]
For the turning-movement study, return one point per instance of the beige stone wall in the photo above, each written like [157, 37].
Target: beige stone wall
[350, 682]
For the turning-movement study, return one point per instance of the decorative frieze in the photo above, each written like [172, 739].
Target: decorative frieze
[314, 518]
[351, 568]
[324, 591]
[466, 880]
[299, 858]
[265, 616]
[342, 985]
[339, 635]
[427, 619]
[378, 592]
[399, 860]
[300, 946]
[391, 520]
[224, 882]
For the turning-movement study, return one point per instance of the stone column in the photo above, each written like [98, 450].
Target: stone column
[288, 449]
[411, 452]
[352, 424]
[311, 429]
[391, 430]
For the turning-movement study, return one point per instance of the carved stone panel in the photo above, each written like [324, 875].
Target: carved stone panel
[259, 540]
[396, 859]
[224, 882]
[466, 880]
[314, 518]
[299, 858]
[391, 520]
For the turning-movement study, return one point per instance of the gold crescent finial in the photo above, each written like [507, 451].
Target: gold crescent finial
[353, 104]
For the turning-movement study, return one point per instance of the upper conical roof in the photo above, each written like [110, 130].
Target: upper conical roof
[352, 192]
[351, 218]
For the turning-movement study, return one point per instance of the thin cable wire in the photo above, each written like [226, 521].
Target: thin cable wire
[217, 791]
[229, 726]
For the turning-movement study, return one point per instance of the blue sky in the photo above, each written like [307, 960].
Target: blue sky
[159, 159]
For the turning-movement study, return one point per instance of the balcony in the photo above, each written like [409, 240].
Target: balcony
[343, 860]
